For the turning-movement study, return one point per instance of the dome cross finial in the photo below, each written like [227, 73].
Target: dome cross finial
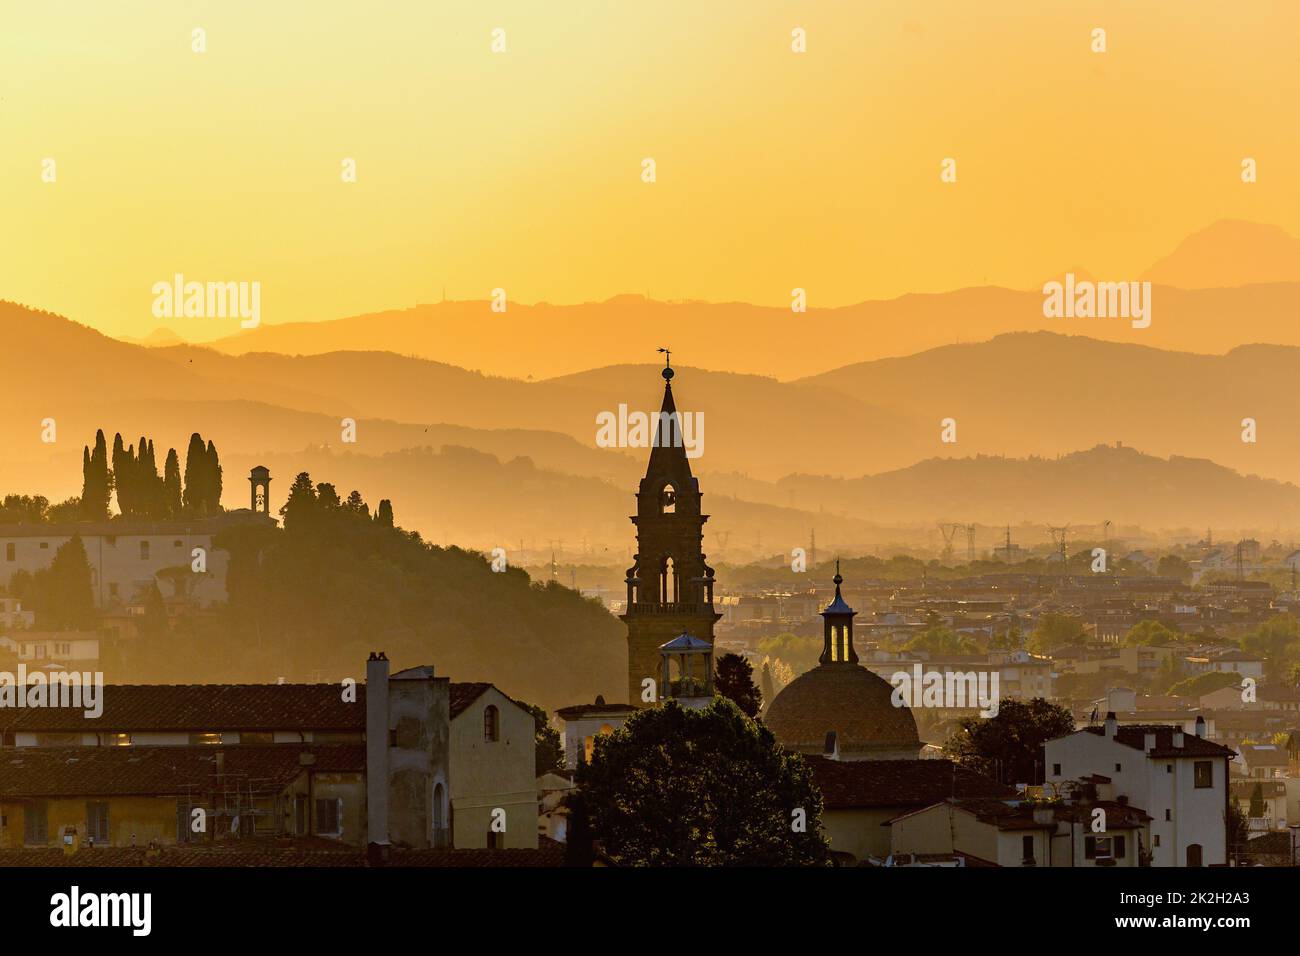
[668, 364]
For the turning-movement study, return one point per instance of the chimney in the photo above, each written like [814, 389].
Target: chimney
[1149, 742]
[1200, 726]
[1178, 737]
[1112, 725]
[377, 749]
[1044, 815]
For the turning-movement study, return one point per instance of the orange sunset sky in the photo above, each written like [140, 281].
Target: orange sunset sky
[522, 169]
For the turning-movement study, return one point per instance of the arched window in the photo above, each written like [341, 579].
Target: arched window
[668, 587]
[491, 724]
[668, 500]
[1194, 854]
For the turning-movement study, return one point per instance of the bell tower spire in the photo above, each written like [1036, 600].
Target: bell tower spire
[670, 584]
[837, 627]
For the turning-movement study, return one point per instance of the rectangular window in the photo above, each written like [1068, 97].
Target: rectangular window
[1056, 770]
[35, 823]
[117, 740]
[1203, 774]
[1169, 815]
[1098, 848]
[144, 550]
[204, 740]
[97, 822]
[1119, 848]
[1027, 849]
[1118, 769]
[11, 552]
[1155, 840]
[329, 817]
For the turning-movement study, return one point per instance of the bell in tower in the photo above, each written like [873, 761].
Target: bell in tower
[669, 586]
[260, 480]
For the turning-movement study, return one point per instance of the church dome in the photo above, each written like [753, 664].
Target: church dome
[852, 702]
[841, 697]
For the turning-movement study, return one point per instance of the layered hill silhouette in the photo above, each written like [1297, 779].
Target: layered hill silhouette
[1231, 252]
[1230, 284]
[489, 460]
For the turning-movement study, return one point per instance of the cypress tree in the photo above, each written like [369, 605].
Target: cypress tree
[195, 494]
[123, 478]
[384, 515]
[214, 479]
[172, 485]
[103, 485]
[87, 483]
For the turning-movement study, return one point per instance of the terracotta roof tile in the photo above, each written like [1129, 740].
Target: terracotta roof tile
[202, 708]
[897, 783]
[111, 771]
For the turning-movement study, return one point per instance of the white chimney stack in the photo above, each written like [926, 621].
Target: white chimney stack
[1200, 726]
[377, 749]
[1112, 725]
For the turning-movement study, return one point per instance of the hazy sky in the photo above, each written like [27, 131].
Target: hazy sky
[522, 170]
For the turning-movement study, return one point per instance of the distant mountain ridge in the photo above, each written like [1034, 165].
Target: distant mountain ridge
[1017, 395]
[1229, 284]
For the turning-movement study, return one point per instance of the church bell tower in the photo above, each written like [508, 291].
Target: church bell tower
[669, 586]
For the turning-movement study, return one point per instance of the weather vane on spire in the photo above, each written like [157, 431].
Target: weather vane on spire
[668, 364]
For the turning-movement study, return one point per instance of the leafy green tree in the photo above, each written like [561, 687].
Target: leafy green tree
[1172, 566]
[549, 746]
[357, 506]
[1203, 684]
[1009, 747]
[942, 641]
[734, 679]
[1057, 630]
[300, 506]
[61, 594]
[677, 787]
[1257, 801]
[1277, 640]
[327, 499]
[24, 509]
[303, 598]
[799, 653]
[1148, 632]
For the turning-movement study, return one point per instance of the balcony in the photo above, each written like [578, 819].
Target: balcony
[672, 607]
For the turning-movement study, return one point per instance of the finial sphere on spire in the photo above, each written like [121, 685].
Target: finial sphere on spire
[668, 364]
